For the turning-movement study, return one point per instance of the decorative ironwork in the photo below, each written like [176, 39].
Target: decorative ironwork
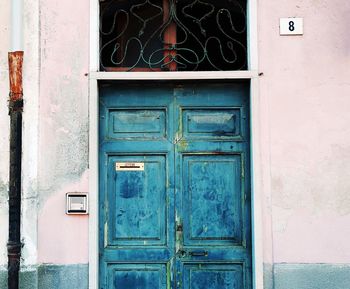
[173, 35]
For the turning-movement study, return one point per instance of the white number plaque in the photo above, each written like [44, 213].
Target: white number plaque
[291, 26]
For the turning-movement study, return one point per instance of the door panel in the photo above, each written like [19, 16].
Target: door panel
[137, 123]
[137, 207]
[145, 276]
[212, 201]
[212, 187]
[174, 187]
[218, 123]
[214, 276]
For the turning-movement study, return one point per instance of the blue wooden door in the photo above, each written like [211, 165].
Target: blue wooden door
[174, 187]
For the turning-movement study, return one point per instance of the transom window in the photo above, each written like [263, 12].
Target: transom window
[173, 35]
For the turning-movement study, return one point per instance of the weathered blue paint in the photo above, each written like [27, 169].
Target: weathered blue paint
[212, 205]
[150, 276]
[311, 276]
[211, 123]
[184, 221]
[137, 208]
[213, 276]
[141, 123]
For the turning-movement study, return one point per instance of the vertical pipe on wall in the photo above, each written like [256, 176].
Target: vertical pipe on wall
[16, 25]
[15, 112]
[15, 60]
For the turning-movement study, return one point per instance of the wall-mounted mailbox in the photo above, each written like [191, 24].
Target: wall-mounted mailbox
[77, 203]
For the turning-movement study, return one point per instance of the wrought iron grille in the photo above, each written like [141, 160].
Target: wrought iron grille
[182, 35]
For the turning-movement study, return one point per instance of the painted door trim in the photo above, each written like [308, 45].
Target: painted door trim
[93, 185]
[174, 75]
[257, 172]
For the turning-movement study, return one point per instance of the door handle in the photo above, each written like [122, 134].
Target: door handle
[198, 253]
[181, 253]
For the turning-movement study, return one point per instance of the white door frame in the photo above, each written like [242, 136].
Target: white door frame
[251, 73]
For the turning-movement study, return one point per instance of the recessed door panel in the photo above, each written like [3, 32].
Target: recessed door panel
[213, 276]
[137, 123]
[137, 200]
[212, 199]
[137, 276]
[217, 123]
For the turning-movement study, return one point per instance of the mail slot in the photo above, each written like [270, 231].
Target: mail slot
[130, 166]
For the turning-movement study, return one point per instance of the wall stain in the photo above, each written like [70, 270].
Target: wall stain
[317, 188]
[3, 192]
[66, 160]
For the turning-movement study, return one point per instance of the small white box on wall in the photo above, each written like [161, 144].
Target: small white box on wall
[291, 26]
[76, 203]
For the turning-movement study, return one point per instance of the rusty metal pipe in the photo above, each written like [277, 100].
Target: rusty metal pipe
[15, 111]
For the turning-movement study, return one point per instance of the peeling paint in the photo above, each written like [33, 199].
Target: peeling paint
[182, 145]
[64, 90]
[67, 160]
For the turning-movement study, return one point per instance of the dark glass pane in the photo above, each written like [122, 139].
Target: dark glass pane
[173, 35]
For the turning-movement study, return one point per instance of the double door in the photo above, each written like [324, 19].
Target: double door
[174, 199]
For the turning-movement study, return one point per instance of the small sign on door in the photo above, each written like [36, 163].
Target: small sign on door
[129, 166]
[291, 26]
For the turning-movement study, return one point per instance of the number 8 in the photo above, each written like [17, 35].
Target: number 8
[291, 26]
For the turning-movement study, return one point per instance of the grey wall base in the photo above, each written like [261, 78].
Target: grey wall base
[3, 278]
[63, 277]
[311, 276]
[277, 276]
[50, 277]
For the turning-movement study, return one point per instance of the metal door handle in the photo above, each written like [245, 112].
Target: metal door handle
[198, 253]
[181, 253]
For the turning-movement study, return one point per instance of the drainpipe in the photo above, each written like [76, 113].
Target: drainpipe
[15, 60]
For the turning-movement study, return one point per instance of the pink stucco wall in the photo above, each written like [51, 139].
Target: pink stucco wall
[306, 85]
[63, 239]
[305, 88]
[64, 39]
